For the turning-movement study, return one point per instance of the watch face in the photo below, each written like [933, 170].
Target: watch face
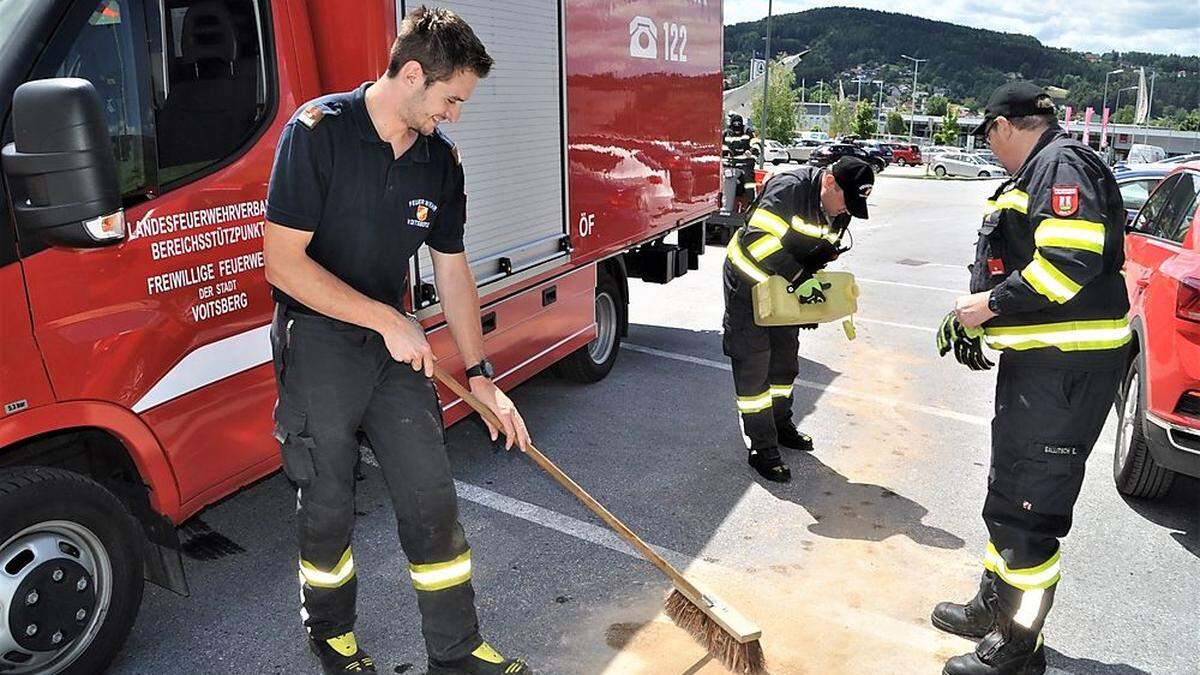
[488, 371]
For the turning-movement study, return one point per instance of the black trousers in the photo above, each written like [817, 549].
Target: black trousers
[765, 363]
[1046, 422]
[335, 380]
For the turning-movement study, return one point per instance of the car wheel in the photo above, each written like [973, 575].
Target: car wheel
[592, 362]
[940, 171]
[984, 174]
[1134, 469]
[902, 162]
[70, 572]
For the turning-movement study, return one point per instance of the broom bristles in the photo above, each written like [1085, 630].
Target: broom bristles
[739, 657]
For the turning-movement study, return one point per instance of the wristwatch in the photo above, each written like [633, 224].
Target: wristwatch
[992, 304]
[482, 369]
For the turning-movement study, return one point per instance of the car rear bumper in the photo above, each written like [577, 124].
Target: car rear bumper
[1174, 446]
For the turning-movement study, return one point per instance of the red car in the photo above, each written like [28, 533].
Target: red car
[905, 154]
[1159, 403]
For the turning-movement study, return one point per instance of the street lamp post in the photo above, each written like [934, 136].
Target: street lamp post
[1117, 105]
[1105, 105]
[762, 127]
[879, 109]
[913, 120]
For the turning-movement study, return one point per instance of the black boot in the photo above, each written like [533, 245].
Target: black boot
[769, 465]
[483, 661]
[340, 655]
[791, 437]
[973, 619]
[1018, 653]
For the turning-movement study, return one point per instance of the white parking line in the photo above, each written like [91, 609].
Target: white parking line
[825, 388]
[956, 291]
[925, 329]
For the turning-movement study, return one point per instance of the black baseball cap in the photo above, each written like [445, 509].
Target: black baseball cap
[856, 179]
[1016, 99]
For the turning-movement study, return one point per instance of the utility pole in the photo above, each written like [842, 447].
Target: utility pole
[913, 120]
[762, 127]
[1149, 106]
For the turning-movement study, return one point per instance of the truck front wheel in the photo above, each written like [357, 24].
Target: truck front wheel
[70, 572]
[592, 362]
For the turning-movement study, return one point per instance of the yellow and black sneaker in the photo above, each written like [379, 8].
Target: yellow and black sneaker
[483, 661]
[340, 655]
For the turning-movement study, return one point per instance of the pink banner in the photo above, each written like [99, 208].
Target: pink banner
[1067, 120]
[1104, 129]
[1087, 124]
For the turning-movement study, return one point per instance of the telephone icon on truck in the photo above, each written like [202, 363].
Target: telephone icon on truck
[643, 38]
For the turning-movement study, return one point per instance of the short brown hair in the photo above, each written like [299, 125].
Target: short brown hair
[441, 42]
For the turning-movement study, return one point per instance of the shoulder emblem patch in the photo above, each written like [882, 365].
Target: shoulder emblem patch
[1064, 200]
[311, 116]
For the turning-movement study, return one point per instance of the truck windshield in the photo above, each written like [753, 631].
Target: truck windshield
[12, 14]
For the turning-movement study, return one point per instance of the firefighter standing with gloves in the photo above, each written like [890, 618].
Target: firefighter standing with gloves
[361, 180]
[795, 230]
[1047, 292]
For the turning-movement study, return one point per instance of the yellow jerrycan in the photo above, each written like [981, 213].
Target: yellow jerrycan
[775, 306]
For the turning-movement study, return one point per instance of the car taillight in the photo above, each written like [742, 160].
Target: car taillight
[1187, 304]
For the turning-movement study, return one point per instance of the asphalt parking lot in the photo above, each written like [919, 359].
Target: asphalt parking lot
[840, 567]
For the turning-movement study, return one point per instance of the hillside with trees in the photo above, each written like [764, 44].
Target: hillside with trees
[965, 64]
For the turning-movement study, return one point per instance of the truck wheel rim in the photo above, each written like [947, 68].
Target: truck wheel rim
[1128, 419]
[55, 587]
[606, 329]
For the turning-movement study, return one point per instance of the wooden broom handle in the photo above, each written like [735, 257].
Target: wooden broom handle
[574, 488]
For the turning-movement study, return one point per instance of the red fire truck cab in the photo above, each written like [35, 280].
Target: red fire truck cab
[138, 139]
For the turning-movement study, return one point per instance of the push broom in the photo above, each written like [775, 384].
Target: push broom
[730, 637]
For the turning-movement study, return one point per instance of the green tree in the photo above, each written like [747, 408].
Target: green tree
[781, 108]
[1124, 115]
[895, 124]
[936, 105]
[864, 125]
[841, 117]
[819, 94]
[1191, 122]
[947, 133]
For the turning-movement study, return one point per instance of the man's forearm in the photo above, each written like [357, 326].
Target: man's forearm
[460, 304]
[308, 282]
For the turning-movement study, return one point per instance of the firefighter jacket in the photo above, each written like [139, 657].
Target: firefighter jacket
[735, 143]
[1050, 250]
[788, 234]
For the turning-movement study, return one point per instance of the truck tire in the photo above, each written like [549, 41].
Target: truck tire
[591, 363]
[70, 557]
[1134, 469]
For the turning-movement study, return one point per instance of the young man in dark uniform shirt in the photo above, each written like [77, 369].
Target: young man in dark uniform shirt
[361, 180]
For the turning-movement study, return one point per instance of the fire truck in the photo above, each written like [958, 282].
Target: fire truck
[138, 139]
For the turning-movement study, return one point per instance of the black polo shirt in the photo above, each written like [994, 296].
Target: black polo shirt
[368, 211]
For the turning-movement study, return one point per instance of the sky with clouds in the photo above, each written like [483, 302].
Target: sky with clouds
[1156, 26]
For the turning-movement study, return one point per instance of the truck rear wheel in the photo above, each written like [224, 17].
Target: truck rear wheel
[592, 362]
[70, 572]
[1134, 468]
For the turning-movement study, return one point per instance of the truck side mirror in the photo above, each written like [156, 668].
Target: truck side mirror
[60, 166]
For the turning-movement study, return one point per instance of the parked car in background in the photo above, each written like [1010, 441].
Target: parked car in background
[881, 150]
[775, 152]
[1136, 185]
[831, 152]
[1182, 159]
[906, 154]
[1158, 411]
[1145, 154]
[963, 164]
[935, 150]
[802, 148]
[987, 156]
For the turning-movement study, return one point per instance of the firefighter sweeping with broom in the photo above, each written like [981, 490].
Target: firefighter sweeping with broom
[795, 230]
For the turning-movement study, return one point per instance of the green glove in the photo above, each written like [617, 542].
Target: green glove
[967, 343]
[811, 291]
